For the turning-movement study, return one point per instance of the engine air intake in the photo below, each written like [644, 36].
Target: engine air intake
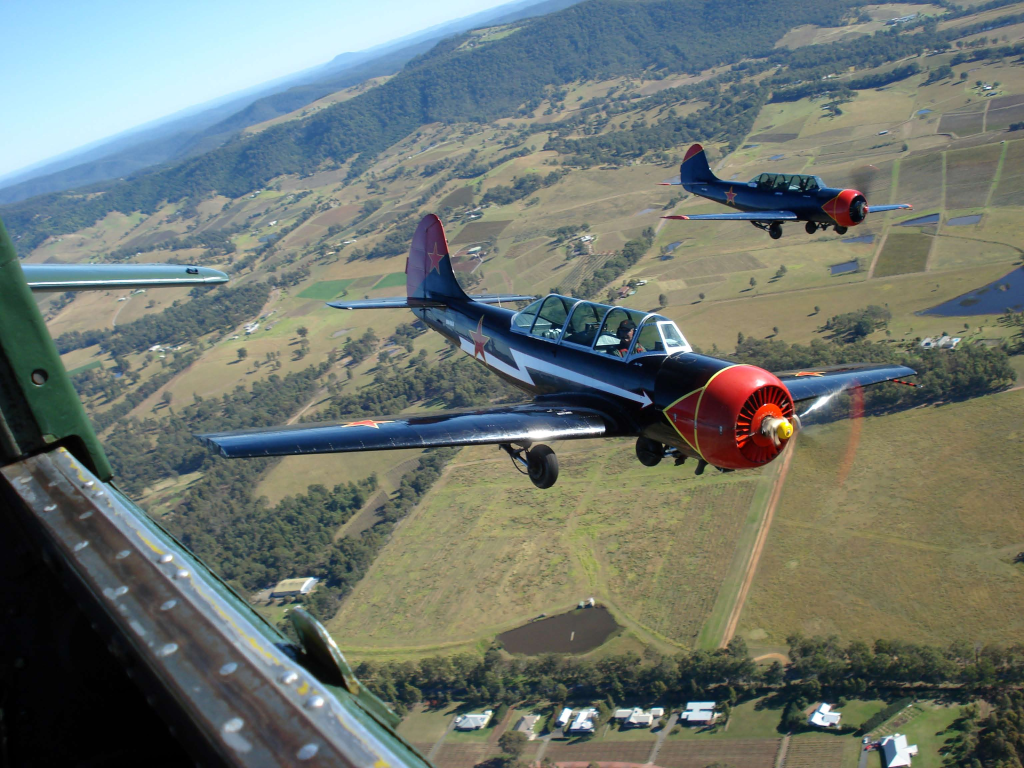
[766, 404]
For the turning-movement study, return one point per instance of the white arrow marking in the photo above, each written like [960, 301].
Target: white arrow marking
[525, 362]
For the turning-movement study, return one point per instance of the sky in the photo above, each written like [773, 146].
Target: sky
[74, 72]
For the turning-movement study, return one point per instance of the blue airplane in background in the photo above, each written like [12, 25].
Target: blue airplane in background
[769, 199]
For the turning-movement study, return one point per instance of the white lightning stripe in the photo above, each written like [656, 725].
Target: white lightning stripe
[525, 362]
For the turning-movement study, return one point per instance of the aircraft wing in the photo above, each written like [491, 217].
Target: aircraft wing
[821, 382]
[502, 424]
[739, 216]
[98, 277]
[406, 302]
[882, 208]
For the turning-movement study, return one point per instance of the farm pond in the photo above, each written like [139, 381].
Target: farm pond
[993, 299]
[577, 631]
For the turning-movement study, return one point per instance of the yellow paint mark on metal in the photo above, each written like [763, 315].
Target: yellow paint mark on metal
[303, 689]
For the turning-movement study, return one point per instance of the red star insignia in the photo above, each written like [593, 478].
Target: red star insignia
[367, 423]
[479, 340]
[435, 260]
[730, 197]
[810, 373]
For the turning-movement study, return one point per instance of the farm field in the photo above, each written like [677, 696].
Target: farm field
[532, 554]
[892, 542]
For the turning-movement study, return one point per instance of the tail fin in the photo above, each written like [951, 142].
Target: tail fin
[428, 271]
[695, 168]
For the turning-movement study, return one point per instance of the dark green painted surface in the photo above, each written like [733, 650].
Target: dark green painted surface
[38, 406]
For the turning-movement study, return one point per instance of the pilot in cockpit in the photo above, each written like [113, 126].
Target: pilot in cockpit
[625, 333]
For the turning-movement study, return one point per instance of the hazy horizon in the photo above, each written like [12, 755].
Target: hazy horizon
[88, 73]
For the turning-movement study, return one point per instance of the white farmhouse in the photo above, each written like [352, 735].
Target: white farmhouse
[824, 717]
[563, 718]
[895, 751]
[585, 721]
[473, 722]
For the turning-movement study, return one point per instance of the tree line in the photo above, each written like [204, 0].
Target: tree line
[209, 310]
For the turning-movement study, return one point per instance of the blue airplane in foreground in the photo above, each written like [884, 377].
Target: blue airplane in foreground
[769, 199]
[592, 370]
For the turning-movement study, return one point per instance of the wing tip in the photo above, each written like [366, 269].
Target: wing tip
[677, 218]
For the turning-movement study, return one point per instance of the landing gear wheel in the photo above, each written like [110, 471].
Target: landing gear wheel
[810, 227]
[775, 230]
[542, 466]
[840, 230]
[649, 452]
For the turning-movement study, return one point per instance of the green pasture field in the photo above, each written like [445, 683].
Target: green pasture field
[903, 253]
[896, 550]
[426, 725]
[969, 175]
[457, 198]
[394, 280]
[325, 290]
[477, 231]
[528, 553]
[87, 367]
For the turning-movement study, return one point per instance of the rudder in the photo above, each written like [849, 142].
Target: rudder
[428, 270]
[694, 168]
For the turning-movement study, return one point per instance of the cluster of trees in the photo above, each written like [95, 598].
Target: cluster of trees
[457, 383]
[469, 167]
[144, 451]
[209, 310]
[359, 349]
[394, 243]
[612, 269]
[522, 186]
[728, 117]
[967, 372]
[851, 326]
[821, 668]
[845, 88]
[216, 241]
[995, 741]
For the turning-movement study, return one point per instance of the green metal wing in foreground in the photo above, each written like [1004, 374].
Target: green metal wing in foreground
[126, 645]
[105, 277]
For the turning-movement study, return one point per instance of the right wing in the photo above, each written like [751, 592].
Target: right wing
[740, 216]
[407, 302]
[100, 277]
[503, 424]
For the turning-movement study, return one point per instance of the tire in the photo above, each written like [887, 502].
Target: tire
[840, 230]
[810, 227]
[649, 452]
[543, 466]
[775, 230]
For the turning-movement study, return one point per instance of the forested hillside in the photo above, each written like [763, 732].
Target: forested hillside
[593, 40]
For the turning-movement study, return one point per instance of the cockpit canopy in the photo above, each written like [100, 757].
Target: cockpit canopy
[599, 328]
[787, 182]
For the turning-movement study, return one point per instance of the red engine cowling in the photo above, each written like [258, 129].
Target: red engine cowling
[722, 420]
[848, 209]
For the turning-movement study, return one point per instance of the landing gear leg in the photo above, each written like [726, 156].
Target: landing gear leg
[775, 230]
[539, 462]
[701, 466]
[649, 452]
[810, 227]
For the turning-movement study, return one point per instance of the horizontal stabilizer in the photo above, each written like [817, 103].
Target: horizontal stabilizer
[739, 216]
[883, 208]
[100, 277]
[503, 424]
[411, 302]
[822, 382]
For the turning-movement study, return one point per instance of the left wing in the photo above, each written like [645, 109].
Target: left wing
[97, 277]
[882, 208]
[820, 382]
[740, 216]
[504, 424]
